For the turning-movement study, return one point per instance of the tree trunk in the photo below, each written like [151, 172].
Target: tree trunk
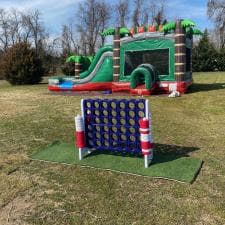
[77, 70]
[116, 55]
[180, 52]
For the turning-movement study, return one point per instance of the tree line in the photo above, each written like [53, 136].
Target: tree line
[81, 36]
[93, 16]
[209, 52]
[23, 32]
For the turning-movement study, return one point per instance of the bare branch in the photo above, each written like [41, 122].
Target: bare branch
[216, 12]
[122, 9]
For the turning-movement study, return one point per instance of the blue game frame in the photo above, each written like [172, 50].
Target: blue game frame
[112, 124]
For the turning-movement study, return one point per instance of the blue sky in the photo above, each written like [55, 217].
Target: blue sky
[55, 13]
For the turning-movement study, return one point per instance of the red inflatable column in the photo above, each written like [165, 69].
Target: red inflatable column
[80, 135]
[146, 145]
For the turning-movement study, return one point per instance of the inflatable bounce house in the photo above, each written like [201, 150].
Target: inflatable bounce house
[141, 61]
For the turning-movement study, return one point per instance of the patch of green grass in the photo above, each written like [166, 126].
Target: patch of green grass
[31, 118]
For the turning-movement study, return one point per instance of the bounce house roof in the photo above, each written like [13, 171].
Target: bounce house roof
[146, 36]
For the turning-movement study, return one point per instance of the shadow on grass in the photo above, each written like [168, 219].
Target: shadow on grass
[195, 87]
[165, 153]
[162, 153]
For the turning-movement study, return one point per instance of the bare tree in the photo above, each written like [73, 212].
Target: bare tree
[122, 10]
[24, 26]
[104, 16]
[16, 26]
[145, 17]
[35, 30]
[216, 12]
[69, 42]
[66, 42]
[74, 39]
[10, 28]
[148, 11]
[4, 30]
[91, 20]
[137, 12]
[156, 12]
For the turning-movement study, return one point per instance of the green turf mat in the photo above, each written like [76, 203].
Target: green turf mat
[165, 165]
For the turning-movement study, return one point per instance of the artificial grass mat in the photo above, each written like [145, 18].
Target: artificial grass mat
[166, 164]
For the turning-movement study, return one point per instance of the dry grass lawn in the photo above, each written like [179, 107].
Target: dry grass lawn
[33, 192]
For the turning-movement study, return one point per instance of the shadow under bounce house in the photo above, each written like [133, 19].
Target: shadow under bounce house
[141, 61]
